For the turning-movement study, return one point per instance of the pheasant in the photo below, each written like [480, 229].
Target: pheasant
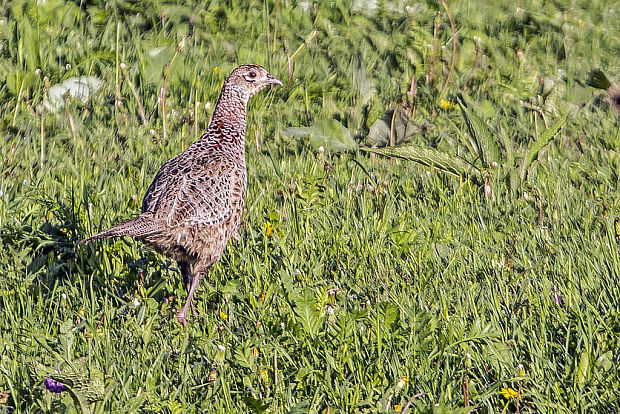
[195, 202]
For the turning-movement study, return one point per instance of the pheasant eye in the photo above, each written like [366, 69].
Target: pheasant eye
[251, 76]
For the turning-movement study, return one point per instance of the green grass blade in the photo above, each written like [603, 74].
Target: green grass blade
[488, 147]
[428, 157]
[539, 144]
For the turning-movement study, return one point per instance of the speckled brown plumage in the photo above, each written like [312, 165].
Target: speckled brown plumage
[194, 204]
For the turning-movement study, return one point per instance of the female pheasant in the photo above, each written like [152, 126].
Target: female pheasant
[194, 204]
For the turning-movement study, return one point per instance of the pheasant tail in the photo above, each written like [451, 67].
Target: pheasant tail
[140, 226]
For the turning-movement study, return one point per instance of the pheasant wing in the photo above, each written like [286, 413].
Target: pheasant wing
[197, 193]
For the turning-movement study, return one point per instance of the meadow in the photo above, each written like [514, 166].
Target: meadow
[432, 223]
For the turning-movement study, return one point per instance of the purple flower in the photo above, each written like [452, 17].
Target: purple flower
[54, 386]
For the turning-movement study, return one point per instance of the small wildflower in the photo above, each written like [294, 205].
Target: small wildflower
[63, 296]
[181, 45]
[522, 372]
[54, 386]
[509, 393]
[223, 316]
[333, 291]
[216, 70]
[152, 132]
[401, 382]
[268, 228]
[135, 302]
[396, 407]
[581, 24]
[123, 66]
[264, 375]
[38, 71]
[321, 149]
[296, 272]
[447, 104]
[256, 352]
[221, 347]
[282, 325]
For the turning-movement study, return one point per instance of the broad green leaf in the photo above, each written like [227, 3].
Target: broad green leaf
[539, 144]
[13, 82]
[381, 131]
[597, 79]
[428, 157]
[488, 148]
[328, 133]
[307, 314]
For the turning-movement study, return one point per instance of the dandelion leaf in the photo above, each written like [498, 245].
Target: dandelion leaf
[539, 144]
[428, 157]
[488, 148]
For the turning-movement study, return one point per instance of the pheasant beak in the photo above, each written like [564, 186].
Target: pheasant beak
[273, 79]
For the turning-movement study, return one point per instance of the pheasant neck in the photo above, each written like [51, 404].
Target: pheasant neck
[228, 123]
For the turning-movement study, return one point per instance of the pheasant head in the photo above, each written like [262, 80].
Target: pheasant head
[247, 80]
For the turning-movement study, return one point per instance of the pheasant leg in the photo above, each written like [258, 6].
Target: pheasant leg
[186, 272]
[182, 313]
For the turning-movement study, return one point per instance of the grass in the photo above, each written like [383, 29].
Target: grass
[385, 285]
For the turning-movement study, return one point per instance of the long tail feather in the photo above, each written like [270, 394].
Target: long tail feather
[140, 226]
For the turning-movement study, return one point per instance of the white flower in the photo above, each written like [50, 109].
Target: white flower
[135, 302]
[63, 296]
[321, 149]
[221, 347]
[468, 355]
[123, 66]
[297, 272]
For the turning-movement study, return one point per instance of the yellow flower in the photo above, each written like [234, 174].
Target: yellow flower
[223, 316]
[447, 104]
[509, 393]
[268, 228]
[401, 382]
[216, 70]
[255, 352]
[396, 407]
